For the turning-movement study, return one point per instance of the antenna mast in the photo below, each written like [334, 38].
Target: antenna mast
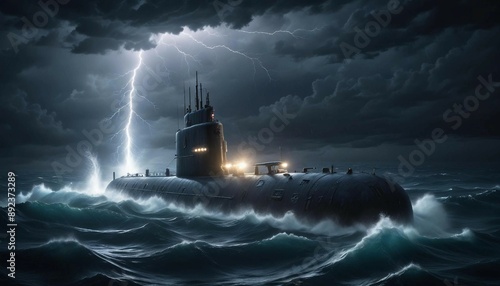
[201, 96]
[185, 99]
[196, 99]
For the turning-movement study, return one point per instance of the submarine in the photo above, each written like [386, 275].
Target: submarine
[204, 177]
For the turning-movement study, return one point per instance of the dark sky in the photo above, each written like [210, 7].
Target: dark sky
[328, 81]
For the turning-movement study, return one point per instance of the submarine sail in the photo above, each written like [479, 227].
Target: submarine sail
[203, 177]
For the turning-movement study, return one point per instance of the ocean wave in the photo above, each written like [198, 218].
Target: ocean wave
[411, 272]
[430, 217]
[85, 235]
[67, 194]
[60, 261]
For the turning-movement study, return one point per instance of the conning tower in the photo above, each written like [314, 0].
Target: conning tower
[201, 148]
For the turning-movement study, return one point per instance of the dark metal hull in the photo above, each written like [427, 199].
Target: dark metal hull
[343, 198]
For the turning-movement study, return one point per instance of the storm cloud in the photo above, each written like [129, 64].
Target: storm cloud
[364, 77]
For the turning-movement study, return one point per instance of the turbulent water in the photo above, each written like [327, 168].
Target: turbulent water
[77, 234]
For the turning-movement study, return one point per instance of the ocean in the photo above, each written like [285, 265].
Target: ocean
[74, 233]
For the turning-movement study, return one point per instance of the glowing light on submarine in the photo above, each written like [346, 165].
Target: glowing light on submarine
[241, 165]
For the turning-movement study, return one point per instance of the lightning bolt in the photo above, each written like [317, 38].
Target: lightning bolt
[183, 53]
[255, 61]
[129, 164]
[129, 160]
[130, 91]
[291, 33]
[221, 46]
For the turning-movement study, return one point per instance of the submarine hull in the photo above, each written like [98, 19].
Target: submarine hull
[343, 198]
[203, 177]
